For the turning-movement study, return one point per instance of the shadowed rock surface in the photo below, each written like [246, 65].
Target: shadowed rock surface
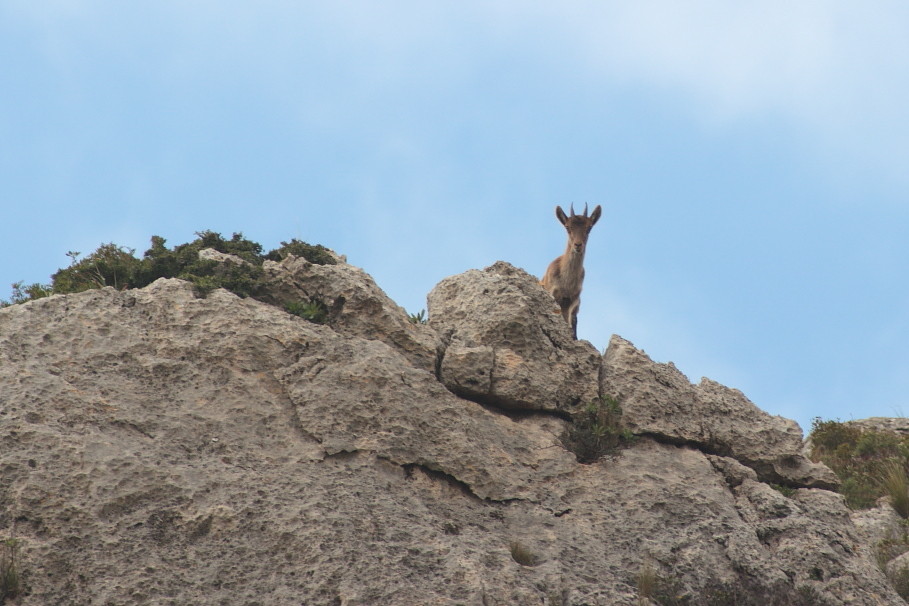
[158, 448]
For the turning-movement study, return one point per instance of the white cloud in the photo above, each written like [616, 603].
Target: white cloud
[834, 73]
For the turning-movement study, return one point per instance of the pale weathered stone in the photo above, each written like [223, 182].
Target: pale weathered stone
[734, 472]
[358, 395]
[880, 523]
[507, 345]
[210, 254]
[158, 448]
[810, 536]
[898, 569]
[659, 401]
[897, 425]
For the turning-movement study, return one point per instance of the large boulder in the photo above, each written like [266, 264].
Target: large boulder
[658, 400]
[507, 346]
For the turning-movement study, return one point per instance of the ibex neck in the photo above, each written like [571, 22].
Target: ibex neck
[574, 260]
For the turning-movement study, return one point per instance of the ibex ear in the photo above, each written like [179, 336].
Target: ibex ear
[595, 216]
[561, 216]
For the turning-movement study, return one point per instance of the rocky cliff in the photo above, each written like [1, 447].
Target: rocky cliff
[161, 448]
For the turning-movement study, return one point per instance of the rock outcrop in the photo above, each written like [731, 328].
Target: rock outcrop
[657, 400]
[506, 344]
[357, 306]
[159, 448]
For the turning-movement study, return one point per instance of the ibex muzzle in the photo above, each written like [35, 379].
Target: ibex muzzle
[565, 276]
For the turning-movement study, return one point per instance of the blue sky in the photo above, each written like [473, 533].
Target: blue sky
[751, 160]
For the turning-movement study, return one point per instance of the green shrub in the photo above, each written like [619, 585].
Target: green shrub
[110, 265]
[870, 463]
[315, 311]
[116, 266]
[242, 280]
[418, 318]
[23, 293]
[596, 431]
[238, 246]
[890, 548]
[317, 253]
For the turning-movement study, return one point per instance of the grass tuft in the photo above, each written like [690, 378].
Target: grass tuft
[870, 463]
[646, 582]
[10, 582]
[895, 484]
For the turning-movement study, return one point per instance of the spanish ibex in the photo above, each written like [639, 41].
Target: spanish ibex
[565, 276]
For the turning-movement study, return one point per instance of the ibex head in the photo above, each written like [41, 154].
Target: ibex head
[578, 226]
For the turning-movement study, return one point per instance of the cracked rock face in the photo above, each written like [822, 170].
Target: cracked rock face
[157, 448]
[657, 400]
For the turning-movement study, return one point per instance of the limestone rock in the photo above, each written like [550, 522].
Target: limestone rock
[210, 254]
[897, 425]
[734, 472]
[358, 395]
[159, 448]
[506, 345]
[898, 568]
[879, 524]
[659, 401]
[811, 537]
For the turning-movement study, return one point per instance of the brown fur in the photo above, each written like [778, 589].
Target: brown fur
[565, 276]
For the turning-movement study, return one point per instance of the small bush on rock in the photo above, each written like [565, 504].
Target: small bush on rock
[870, 463]
[317, 253]
[889, 548]
[596, 431]
[646, 582]
[117, 266]
[110, 265]
[315, 311]
[23, 293]
[786, 491]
